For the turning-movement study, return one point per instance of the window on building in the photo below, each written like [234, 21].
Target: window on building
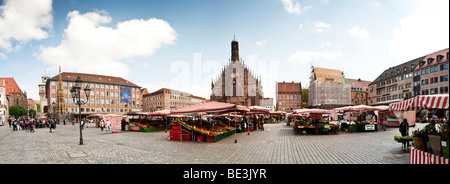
[439, 58]
[430, 60]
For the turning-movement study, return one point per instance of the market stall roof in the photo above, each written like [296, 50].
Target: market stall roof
[421, 102]
[278, 113]
[159, 113]
[383, 107]
[259, 109]
[342, 108]
[364, 108]
[317, 111]
[210, 107]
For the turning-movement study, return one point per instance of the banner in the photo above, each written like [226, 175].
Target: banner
[125, 94]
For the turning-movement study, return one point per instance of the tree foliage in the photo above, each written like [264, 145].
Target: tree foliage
[17, 111]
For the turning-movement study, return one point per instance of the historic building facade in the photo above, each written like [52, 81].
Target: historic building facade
[109, 95]
[360, 91]
[14, 93]
[169, 99]
[289, 96]
[426, 75]
[328, 89]
[237, 84]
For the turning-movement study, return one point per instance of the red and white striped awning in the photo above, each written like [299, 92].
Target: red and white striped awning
[421, 102]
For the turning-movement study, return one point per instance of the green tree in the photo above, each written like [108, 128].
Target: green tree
[38, 107]
[32, 113]
[17, 111]
[305, 97]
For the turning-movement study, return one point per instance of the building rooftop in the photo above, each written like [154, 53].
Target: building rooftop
[172, 91]
[433, 57]
[328, 75]
[289, 87]
[69, 76]
[398, 70]
[10, 85]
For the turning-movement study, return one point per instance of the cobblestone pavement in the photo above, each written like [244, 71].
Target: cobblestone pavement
[277, 145]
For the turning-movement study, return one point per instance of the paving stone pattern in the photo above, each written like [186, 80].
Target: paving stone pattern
[277, 146]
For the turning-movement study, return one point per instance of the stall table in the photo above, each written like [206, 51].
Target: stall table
[316, 129]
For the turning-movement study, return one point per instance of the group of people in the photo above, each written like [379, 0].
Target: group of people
[104, 125]
[256, 122]
[29, 125]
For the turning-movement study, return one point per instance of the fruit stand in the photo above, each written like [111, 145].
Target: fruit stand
[140, 122]
[419, 154]
[311, 122]
[201, 130]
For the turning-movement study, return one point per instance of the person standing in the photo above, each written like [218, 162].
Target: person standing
[262, 123]
[9, 122]
[15, 125]
[123, 122]
[82, 125]
[102, 125]
[32, 124]
[108, 125]
[404, 127]
[51, 125]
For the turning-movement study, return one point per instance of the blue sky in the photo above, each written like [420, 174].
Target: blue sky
[182, 45]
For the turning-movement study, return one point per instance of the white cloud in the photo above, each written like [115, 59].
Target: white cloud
[261, 43]
[375, 4]
[23, 20]
[422, 32]
[307, 57]
[321, 27]
[3, 56]
[300, 27]
[358, 32]
[293, 6]
[325, 44]
[92, 48]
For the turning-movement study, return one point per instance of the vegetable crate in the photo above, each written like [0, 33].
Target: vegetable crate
[176, 134]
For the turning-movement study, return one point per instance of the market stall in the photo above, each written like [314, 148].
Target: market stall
[201, 130]
[277, 116]
[157, 121]
[438, 137]
[359, 118]
[311, 122]
[115, 119]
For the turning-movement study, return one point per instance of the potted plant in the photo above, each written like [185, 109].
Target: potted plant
[444, 139]
[419, 140]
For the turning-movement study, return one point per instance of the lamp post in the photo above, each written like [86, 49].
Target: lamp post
[75, 92]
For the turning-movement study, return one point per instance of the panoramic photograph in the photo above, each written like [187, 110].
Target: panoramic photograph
[224, 89]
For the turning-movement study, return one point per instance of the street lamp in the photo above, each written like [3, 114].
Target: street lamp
[75, 92]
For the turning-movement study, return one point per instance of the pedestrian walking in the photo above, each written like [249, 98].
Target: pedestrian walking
[82, 125]
[73, 123]
[9, 122]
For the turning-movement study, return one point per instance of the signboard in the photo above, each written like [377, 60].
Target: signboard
[125, 94]
[370, 127]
